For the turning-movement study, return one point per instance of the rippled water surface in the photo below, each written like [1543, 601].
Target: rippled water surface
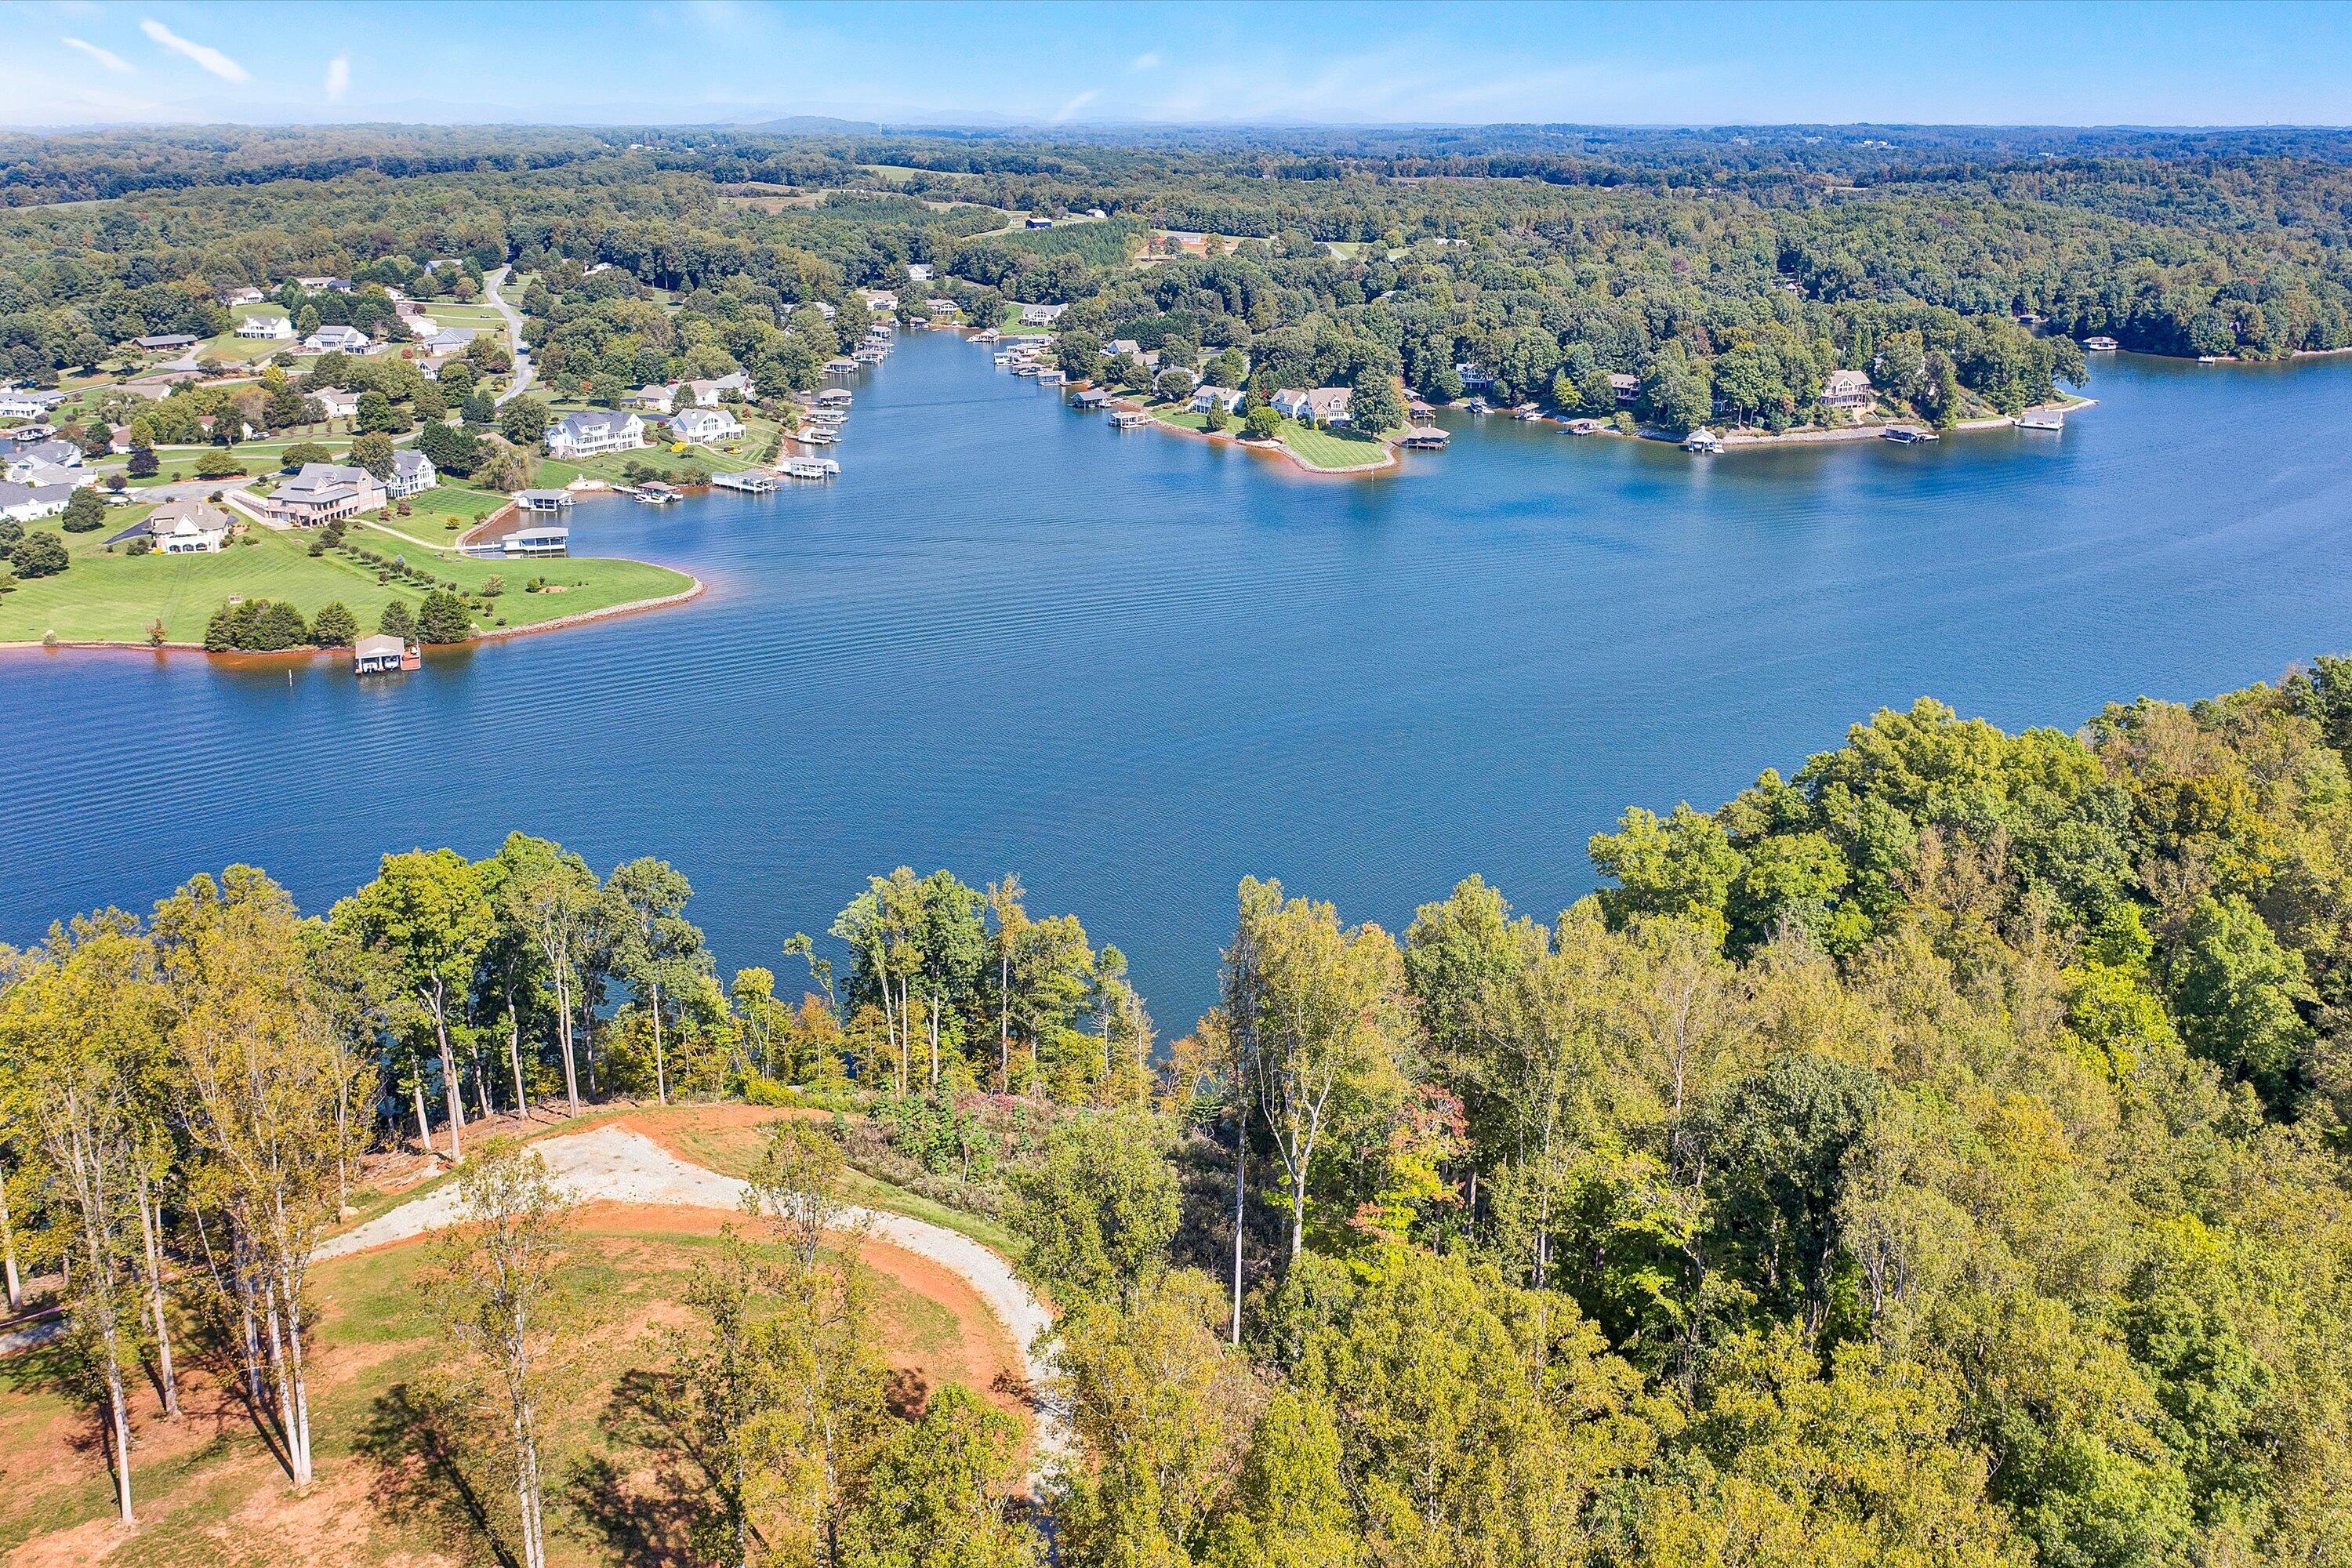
[1134, 667]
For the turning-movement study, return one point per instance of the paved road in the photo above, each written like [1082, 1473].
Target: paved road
[524, 370]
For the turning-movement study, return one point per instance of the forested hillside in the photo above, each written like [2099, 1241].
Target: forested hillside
[1730, 272]
[1934, 1156]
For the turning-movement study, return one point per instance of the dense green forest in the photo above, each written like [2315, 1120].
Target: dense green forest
[1934, 1156]
[1729, 272]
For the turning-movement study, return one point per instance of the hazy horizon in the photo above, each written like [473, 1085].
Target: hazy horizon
[74, 65]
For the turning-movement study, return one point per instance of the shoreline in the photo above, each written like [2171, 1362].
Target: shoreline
[1390, 461]
[694, 589]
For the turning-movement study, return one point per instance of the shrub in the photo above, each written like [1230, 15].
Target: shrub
[336, 626]
[141, 545]
[493, 586]
[39, 555]
[84, 512]
[443, 618]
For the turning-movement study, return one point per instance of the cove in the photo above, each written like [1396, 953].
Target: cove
[1134, 667]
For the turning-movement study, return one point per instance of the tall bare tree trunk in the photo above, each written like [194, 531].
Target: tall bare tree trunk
[1241, 1175]
[563, 1031]
[150, 1221]
[8, 1250]
[452, 1089]
[119, 1417]
[661, 1066]
[514, 1053]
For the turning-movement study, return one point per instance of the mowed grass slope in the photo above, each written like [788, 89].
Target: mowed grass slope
[116, 597]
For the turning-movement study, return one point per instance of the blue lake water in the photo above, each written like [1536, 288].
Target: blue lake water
[1135, 667]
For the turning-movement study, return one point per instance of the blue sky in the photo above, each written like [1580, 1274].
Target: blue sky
[71, 62]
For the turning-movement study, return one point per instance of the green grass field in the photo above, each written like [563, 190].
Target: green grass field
[114, 597]
[692, 466]
[1330, 449]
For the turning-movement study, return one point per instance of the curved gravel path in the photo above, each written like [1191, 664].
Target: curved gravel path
[622, 1166]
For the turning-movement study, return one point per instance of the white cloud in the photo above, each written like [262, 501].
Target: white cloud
[1148, 60]
[205, 55]
[339, 75]
[106, 58]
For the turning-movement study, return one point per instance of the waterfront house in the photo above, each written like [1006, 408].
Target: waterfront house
[1291, 402]
[1225, 397]
[323, 492]
[186, 527]
[1130, 419]
[1329, 404]
[1472, 376]
[1041, 315]
[336, 339]
[1625, 389]
[705, 424]
[379, 655]
[1702, 440]
[264, 327]
[2101, 346]
[543, 500]
[59, 456]
[18, 403]
[413, 473]
[1846, 389]
[940, 306]
[337, 401]
[595, 430]
[879, 298]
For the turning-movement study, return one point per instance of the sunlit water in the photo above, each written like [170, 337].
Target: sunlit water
[1134, 667]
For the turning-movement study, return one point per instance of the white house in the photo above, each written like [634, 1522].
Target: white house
[323, 492]
[1322, 406]
[49, 459]
[450, 341]
[336, 339]
[659, 399]
[413, 473]
[265, 326]
[705, 424]
[879, 298]
[701, 394]
[1225, 397]
[16, 404]
[920, 272]
[419, 324]
[26, 504]
[1041, 315]
[187, 528]
[338, 403]
[595, 430]
[1846, 389]
[245, 296]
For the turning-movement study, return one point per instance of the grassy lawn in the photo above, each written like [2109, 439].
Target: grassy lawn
[692, 466]
[1331, 449]
[446, 511]
[104, 597]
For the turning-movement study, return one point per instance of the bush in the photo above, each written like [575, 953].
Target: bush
[444, 618]
[336, 626]
[141, 545]
[39, 555]
[219, 466]
[493, 586]
[85, 513]
[257, 626]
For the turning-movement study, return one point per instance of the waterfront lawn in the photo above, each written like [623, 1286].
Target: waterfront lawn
[104, 597]
[446, 509]
[1331, 449]
[692, 466]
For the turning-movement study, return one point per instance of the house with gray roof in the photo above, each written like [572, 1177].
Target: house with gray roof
[595, 430]
[413, 473]
[323, 492]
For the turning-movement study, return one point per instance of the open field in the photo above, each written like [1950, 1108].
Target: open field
[104, 597]
[1331, 449]
[401, 1478]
